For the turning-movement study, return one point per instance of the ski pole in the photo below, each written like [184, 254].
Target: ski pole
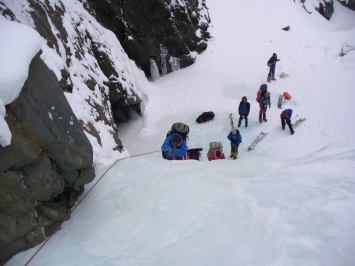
[294, 117]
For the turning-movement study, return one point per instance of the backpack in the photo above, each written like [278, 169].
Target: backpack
[179, 128]
[213, 147]
[194, 154]
[205, 116]
[216, 146]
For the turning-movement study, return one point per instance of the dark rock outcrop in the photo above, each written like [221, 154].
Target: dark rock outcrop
[44, 169]
[152, 29]
[349, 3]
[326, 9]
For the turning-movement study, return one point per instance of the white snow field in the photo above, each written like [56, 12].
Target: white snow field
[289, 202]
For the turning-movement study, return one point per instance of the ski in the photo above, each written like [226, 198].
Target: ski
[279, 104]
[232, 123]
[259, 138]
[299, 121]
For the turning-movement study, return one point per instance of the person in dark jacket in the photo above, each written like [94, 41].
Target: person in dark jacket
[272, 65]
[263, 98]
[286, 119]
[235, 139]
[244, 108]
[174, 147]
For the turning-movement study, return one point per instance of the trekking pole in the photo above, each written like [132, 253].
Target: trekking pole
[294, 117]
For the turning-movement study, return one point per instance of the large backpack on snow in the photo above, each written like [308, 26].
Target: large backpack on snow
[205, 116]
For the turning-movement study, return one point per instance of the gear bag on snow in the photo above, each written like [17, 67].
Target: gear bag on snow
[205, 116]
[194, 154]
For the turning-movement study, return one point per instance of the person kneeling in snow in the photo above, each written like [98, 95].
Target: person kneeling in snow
[174, 147]
[235, 139]
[286, 119]
[216, 151]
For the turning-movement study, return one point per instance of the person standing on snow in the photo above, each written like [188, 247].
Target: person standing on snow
[235, 139]
[174, 147]
[244, 108]
[263, 98]
[272, 65]
[286, 119]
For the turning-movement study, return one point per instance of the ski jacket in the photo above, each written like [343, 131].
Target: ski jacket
[265, 100]
[244, 108]
[286, 114]
[171, 151]
[235, 139]
[272, 61]
[213, 157]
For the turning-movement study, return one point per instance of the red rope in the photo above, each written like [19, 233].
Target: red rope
[45, 242]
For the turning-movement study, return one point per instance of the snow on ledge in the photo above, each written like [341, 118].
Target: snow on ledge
[18, 45]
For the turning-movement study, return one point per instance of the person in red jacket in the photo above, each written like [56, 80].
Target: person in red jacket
[217, 155]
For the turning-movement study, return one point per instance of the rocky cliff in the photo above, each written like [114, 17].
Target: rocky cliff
[89, 76]
[45, 168]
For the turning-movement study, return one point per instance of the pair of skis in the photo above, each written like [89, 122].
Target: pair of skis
[259, 138]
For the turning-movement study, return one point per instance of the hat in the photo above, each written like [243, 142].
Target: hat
[234, 131]
[218, 154]
[176, 140]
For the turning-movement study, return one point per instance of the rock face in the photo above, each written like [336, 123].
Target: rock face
[165, 31]
[326, 8]
[348, 3]
[44, 169]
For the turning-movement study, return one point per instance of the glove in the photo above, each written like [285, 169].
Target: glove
[240, 113]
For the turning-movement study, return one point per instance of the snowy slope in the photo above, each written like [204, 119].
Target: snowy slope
[290, 201]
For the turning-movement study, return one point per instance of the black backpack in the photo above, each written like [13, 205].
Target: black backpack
[194, 154]
[205, 116]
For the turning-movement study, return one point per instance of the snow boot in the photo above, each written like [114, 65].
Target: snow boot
[246, 122]
[264, 119]
[268, 78]
[273, 77]
[260, 118]
[231, 156]
[292, 132]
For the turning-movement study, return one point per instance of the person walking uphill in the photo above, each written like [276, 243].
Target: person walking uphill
[272, 65]
[244, 108]
[286, 119]
[263, 98]
[174, 147]
[235, 139]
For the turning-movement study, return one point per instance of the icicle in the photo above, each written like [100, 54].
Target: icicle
[174, 63]
[154, 71]
[164, 55]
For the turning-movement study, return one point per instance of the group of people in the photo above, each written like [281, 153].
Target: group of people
[174, 146]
